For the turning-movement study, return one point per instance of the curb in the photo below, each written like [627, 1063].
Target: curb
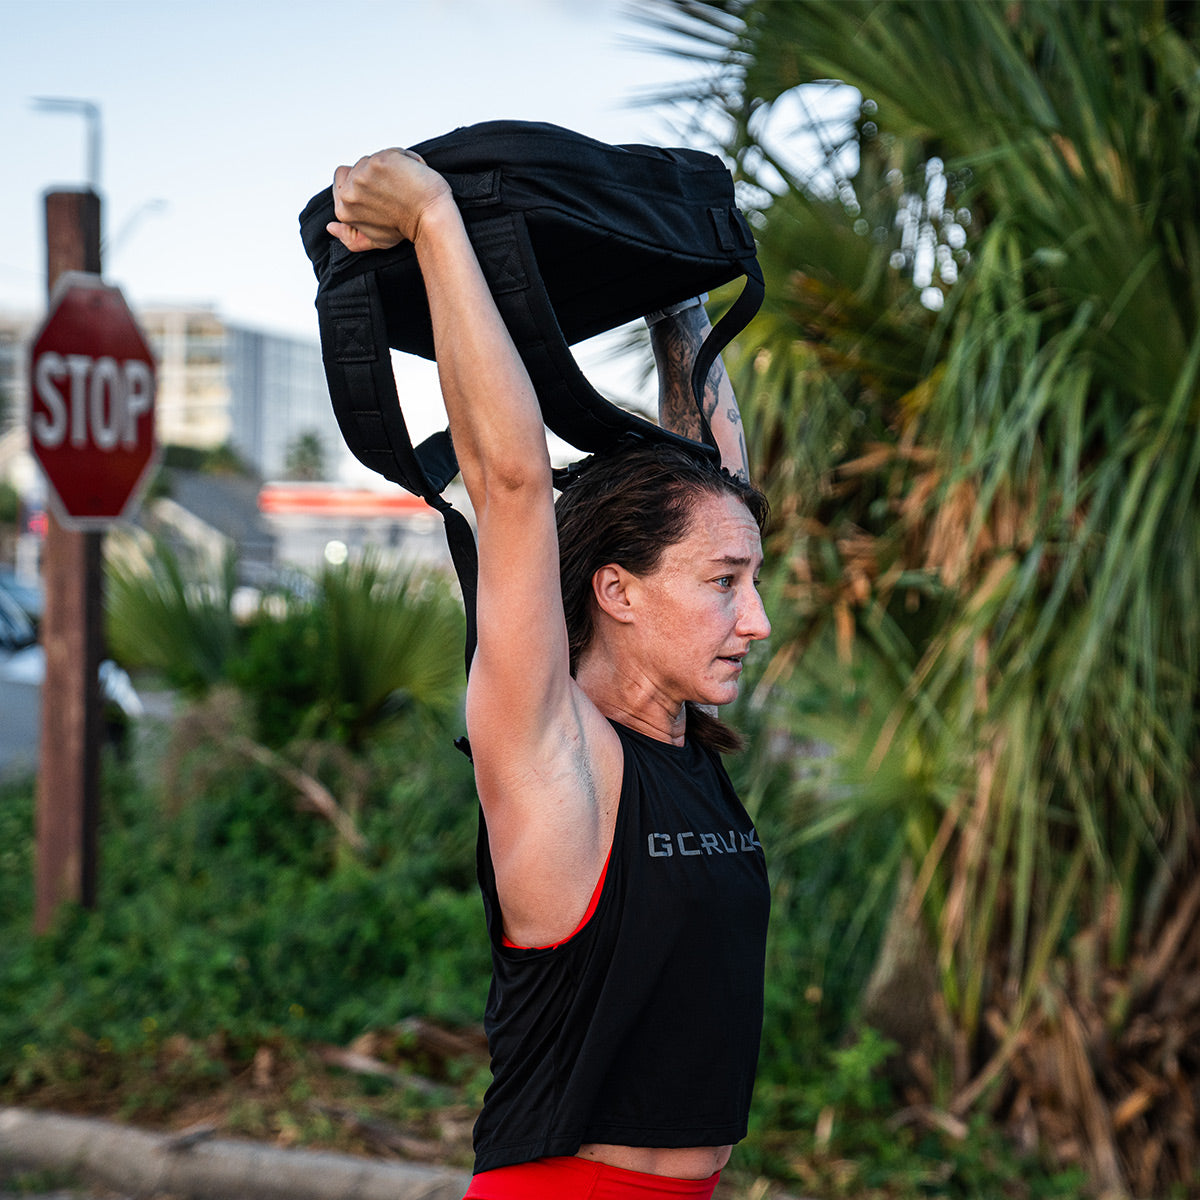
[197, 1166]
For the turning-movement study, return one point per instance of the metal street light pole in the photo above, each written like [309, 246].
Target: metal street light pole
[91, 112]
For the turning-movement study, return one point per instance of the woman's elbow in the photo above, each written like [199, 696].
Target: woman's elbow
[504, 477]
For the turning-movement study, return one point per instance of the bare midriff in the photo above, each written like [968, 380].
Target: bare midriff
[692, 1162]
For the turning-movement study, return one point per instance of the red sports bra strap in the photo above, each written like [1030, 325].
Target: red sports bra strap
[587, 916]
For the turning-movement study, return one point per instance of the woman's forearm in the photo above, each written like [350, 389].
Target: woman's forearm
[676, 340]
[495, 419]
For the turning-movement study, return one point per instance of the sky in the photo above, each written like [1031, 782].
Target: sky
[219, 120]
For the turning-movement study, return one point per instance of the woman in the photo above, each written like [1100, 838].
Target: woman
[624, 886]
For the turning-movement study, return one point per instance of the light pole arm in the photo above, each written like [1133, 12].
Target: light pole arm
[90, 111]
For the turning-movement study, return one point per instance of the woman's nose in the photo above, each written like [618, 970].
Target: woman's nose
[753, 622]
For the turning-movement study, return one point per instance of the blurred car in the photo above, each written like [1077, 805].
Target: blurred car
[22, 660]
[27, 595]
[17, 630]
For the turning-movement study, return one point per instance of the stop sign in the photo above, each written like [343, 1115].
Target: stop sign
[91, 402]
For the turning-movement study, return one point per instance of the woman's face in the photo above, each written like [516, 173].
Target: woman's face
[699, 610]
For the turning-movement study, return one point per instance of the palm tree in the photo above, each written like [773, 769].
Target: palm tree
[305, 458]
[975, 393]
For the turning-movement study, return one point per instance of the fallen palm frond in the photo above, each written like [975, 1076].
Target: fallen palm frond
[207, 741]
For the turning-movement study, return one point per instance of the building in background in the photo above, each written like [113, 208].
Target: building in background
[15, 333]
[264, 396]
[218, 384]
[279, 400]
[194, 400]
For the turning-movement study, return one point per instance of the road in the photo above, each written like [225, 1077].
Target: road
[19, 721]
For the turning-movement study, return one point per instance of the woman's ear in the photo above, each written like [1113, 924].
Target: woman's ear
[611, 587]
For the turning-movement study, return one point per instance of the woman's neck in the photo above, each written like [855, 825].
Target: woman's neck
[629, 698]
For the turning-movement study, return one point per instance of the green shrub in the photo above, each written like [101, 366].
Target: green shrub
[172, 617]
[364, 646]
[281, 671]
[370, 645]
[235, 916]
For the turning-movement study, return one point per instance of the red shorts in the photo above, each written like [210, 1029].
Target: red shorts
[582, 1179]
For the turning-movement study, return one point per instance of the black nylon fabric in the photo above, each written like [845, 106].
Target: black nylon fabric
[610, 224]
[609, 233]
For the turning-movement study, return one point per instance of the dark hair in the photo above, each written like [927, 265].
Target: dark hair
[627, 508]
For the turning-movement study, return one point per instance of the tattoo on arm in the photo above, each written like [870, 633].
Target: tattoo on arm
[676, 342]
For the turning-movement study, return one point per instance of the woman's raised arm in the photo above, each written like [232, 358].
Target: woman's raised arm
[547, 765]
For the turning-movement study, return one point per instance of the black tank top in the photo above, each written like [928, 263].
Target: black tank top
[643, 1028]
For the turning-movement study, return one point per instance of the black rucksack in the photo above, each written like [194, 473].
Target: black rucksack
[575, 237]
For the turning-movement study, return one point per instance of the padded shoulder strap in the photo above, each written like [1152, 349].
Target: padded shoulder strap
[362, 387]
[571, 406]
[358, 368]
[735, 319]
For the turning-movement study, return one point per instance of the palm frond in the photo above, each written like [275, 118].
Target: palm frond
[986, 516]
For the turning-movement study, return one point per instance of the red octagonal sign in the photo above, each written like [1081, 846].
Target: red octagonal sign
[91, 403]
